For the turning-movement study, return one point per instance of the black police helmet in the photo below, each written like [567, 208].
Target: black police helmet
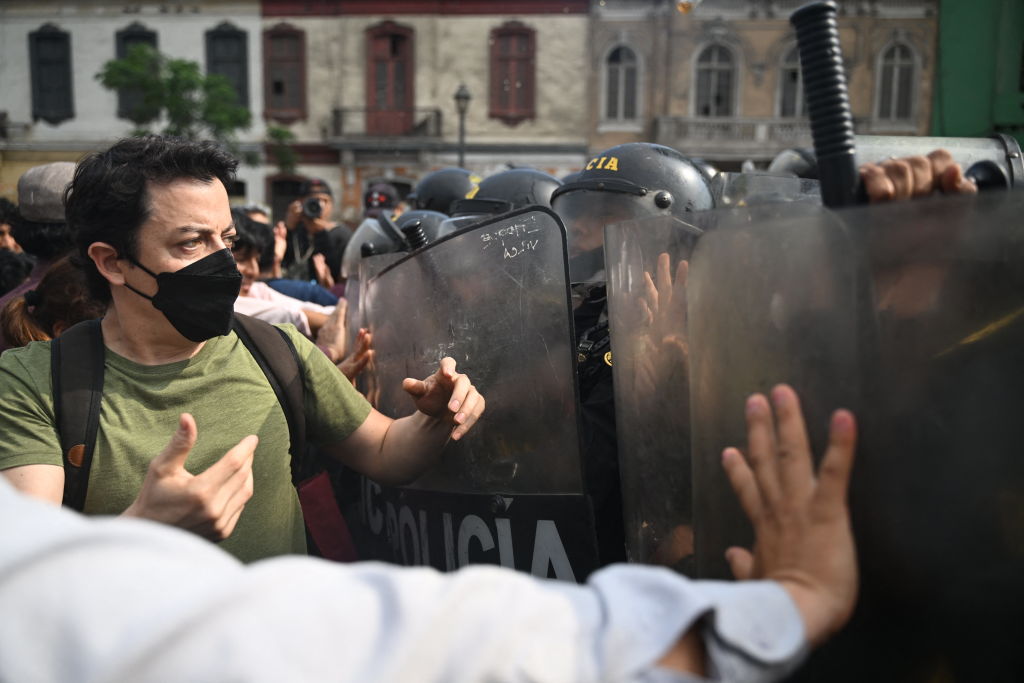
[437, 190]
[633, 181]
[509, 190]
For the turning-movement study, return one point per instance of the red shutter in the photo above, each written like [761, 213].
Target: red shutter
[512, 69]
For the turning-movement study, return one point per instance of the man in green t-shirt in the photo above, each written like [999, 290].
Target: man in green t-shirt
[153, 229]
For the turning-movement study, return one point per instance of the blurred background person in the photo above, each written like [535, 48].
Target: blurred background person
[59, 300]
[39, 226]
[256, 298]
[272, 256]
[8, 211]
[14, 269]
[315, 242]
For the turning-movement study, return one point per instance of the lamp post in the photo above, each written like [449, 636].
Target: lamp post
[462, 98]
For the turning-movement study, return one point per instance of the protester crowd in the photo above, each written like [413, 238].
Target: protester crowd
[200, 419]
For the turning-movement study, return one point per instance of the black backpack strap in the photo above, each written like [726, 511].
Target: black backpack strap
[276, 355]
[76, 376]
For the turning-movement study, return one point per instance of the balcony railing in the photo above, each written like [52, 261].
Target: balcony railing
[731, 138]
[780, 9]
[351, 122]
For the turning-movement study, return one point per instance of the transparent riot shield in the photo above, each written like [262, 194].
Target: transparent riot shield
[647, 265]
[367, 268]
[772, 297]
[494, 297]
[911, 314]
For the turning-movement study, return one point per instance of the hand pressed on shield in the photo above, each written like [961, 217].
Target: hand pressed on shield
[208, 504]
[801, 521]
[915, 176]
[357, 361]
[331, 336]
[447, 395]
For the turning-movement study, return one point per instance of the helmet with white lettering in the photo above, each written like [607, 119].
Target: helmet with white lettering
[627, 182]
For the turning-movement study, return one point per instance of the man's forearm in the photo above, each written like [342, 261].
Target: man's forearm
[411, 446]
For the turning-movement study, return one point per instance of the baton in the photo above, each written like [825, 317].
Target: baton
[828, 103]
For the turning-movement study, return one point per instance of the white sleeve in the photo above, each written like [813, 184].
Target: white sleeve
[269, 311]
[117, 599]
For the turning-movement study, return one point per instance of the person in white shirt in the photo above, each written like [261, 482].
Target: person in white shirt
[131, 600]
[257, 299]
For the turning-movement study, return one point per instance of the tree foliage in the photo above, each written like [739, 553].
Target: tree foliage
[176, 94]
[279, 148]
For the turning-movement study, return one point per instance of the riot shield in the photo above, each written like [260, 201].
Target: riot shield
[494, 297]
[911, 314]
[647, 263]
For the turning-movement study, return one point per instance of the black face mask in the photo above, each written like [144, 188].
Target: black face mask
[199, 299]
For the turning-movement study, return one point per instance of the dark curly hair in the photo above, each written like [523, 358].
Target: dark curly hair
[8, 211]
[108, 200]
[14, 268]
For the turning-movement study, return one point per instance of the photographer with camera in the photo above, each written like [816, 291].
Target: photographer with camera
[315, 242]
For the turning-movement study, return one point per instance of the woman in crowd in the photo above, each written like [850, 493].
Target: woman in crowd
[60, 300]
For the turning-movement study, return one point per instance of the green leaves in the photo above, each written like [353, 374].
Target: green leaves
[176, 94]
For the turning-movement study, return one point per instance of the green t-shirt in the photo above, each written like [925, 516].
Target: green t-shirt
[224, 389]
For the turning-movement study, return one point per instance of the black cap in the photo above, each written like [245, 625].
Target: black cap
[314, 186]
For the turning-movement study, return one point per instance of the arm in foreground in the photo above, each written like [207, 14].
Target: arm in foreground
[96, 584]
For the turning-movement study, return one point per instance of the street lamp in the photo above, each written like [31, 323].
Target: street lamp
[462, 98]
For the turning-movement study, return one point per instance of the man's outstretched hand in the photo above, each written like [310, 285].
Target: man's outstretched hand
[801, 520]
[208, 504]
[447, 395]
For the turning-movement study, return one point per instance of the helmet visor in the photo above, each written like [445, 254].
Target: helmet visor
[585, 214]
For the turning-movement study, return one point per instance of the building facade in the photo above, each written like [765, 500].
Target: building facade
[722, 80]
[50, 52]
[372, 88]
[364, 90]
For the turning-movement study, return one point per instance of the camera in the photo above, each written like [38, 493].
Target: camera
[312, 208]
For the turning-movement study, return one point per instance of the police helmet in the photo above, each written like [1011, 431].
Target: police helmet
[386, 235]
[438, 189]
[626, 182]
[506, 191]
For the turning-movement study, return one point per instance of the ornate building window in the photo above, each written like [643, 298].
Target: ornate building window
[896, 75]
[49, 51]
[227, 54]
[716, 82]
[284, 73]
[130, 99]
[791, 87]
[621, 85]
[390, 79]
[513, 61]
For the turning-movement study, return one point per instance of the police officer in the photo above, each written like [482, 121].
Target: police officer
[630, 181]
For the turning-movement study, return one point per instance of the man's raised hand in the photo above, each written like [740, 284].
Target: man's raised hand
[801, 521]
[208, 504]
[447, 395]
